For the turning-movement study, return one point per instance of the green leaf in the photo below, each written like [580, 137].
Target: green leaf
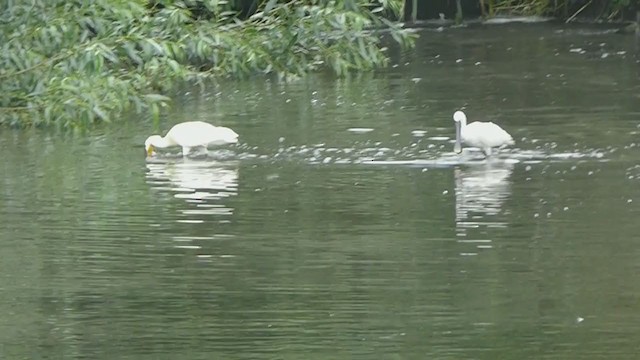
[159, 49]
[100, 113]
[81, 62]
[133, 54]
[270, 5]
[155, 113]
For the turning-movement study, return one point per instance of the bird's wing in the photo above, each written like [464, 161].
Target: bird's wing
[192, 133]
[487, 133]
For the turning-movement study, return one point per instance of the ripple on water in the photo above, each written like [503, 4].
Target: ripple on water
[190, 183]
[416, 154]
[360, 130]
[482, 186]
[412, 148]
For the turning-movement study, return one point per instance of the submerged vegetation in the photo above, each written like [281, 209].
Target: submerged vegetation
[73, 63]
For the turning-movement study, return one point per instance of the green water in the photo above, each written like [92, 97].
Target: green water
[311, 240]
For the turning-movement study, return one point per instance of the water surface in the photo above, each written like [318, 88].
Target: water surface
[343, 226]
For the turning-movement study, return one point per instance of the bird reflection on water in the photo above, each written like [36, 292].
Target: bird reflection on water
[204, 183]
[481, 190]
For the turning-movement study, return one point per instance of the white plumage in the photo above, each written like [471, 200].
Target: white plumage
[191, 134]
[483, 135]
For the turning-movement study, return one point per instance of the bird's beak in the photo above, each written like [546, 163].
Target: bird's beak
[458, 145]
[150, 150]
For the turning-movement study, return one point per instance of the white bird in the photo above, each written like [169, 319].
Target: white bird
[483, 135]
[191, 134]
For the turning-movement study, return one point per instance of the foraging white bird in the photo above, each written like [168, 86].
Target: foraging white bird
[191, 134]
[483, 135]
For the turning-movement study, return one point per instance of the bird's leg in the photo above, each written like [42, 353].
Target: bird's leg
[487, 151]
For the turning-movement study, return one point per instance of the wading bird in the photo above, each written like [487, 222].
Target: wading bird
[483, 135]
[191, 134]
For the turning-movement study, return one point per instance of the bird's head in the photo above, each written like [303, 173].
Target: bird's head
[459, 116]
[149, 144]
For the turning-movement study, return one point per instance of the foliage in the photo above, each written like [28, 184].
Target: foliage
[524, 7]
[600, 8]
[73, 63]
[615, 7]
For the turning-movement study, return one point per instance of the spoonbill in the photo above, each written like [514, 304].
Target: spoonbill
[483, 135]
[191, 134]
